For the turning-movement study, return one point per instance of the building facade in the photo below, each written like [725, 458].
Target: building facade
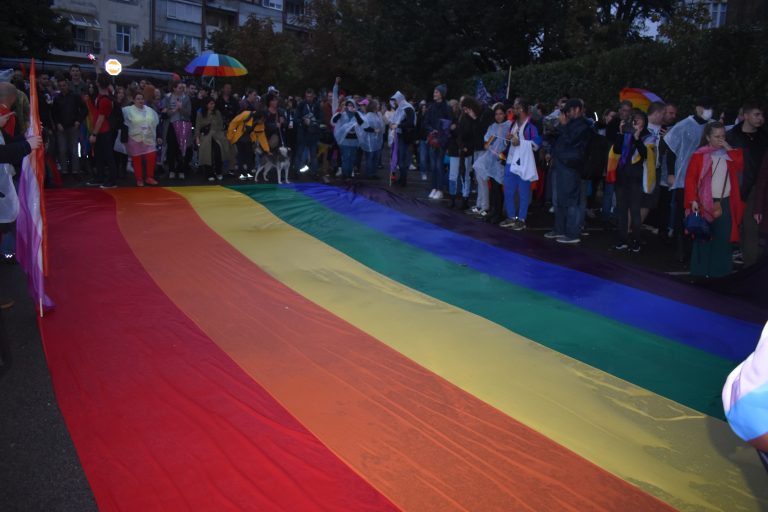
[111, 28]
[105, 28]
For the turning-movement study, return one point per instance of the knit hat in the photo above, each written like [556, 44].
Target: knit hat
[442, 89]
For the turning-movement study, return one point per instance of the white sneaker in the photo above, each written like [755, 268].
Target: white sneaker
[242, 177]
[181, 176]
[423, 176]
[411, 167]
[211, 178]
[220, 177]
[248, 176]
[172, 175]
[432, 193]
[438, 194]
[338, 173]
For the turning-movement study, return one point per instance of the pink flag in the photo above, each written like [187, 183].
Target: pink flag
[30, 224]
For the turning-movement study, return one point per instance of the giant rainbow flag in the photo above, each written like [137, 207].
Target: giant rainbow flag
[305, 347]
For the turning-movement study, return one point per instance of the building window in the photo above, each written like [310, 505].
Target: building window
[180, 40]
[273, 4]
[184, 12]
[718, 11]
[123, 40]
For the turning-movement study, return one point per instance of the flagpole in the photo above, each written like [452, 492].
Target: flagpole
[509, 81]
[41, 307]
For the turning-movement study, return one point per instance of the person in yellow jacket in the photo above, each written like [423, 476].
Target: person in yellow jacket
[246, 129]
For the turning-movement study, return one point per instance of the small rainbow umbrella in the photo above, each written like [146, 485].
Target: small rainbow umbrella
[640, 98]
[215, 64]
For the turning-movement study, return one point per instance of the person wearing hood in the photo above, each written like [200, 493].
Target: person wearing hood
[346, 135]
[402, 133]
[681, 141]
[371, 137]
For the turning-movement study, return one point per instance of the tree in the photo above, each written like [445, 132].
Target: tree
[157, 54]
[30, 28]
[685, 21]
[271, 58]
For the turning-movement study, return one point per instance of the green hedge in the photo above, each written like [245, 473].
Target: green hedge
[731, 65]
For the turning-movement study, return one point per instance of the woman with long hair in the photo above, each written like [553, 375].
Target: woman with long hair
[212, 139]
[141, 122]
[712, 191]
[634, 145]
[177, 130]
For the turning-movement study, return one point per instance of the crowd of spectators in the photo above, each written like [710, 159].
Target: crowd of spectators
[640, 173]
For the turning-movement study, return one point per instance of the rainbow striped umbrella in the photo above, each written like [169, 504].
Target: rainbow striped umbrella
[640, 98]
[216, 64]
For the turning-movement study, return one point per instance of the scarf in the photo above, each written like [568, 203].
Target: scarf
[704, 191]
[626, 146]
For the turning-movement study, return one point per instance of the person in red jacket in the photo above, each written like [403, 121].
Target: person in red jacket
[712, 190]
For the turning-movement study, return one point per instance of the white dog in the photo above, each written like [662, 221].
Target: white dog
[280, 160]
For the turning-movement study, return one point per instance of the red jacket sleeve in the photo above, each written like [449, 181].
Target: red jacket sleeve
[761, 188]
[692, 179]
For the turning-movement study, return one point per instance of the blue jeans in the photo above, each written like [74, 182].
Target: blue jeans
[348, 157]
[585, 189]
[514, 183]
[567, 198]
[309, 145]
[436, 166]
[423, 156]
[371, 159]
[608, 191]
[453, 175]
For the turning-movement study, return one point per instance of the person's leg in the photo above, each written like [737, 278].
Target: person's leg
[299, 157]
[483, 200]
[172, 152]
[453, 175]
[750, 233]
[368, 163]
[151, 160]
[312, 151]
[72, 136]
[622, 211]
[403, 162]
[347, 160]
[105, 142]
[662, 211]
[466, 182]
[583, 197]
[635, 203]
[138, 173]
[524, 192]
[215, 159]
[511, 184]
[568, 197]
[424, 159]
[63, 147]
[608, 197]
